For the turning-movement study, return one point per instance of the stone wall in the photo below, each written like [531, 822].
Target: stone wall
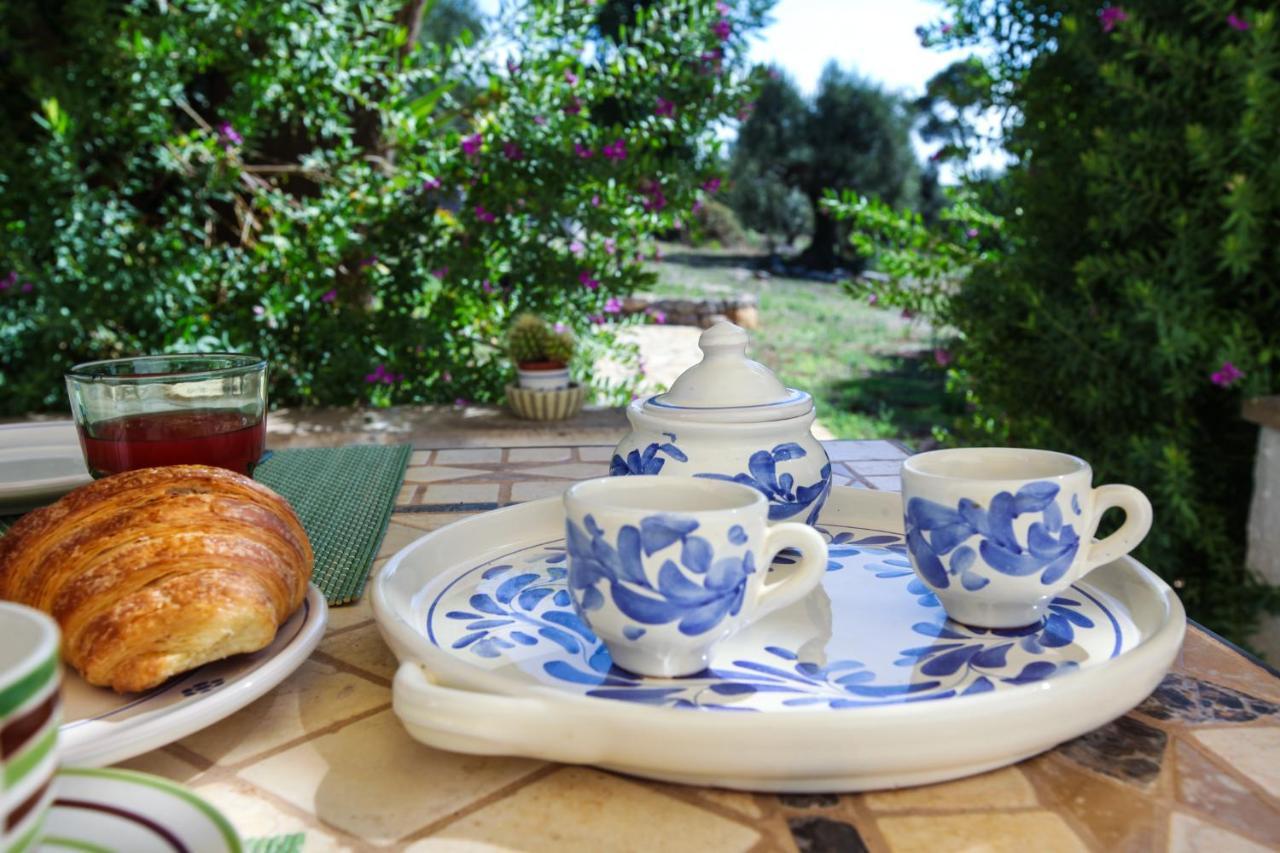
[704, 312]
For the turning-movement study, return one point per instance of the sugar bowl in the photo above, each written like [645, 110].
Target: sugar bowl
[730, 418]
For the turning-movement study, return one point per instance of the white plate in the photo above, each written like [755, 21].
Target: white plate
[39, 462]
[119, 810]
[102, 727]
[863, 684]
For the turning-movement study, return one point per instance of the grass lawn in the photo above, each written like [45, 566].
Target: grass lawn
[861, 363]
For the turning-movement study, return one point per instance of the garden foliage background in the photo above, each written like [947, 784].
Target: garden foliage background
[307, 180]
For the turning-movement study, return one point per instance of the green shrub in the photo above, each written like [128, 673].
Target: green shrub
[1123, 295]
[303, 181]
[717, 221]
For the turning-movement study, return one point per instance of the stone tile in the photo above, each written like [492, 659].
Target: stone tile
[476, 454]
[999, 789]
[357, 611]
[315, 696]
[161, 763]
[397, 536]
[540, 454]
[570, 470]
[1126, 749]
[823, 835]
[1206, 788]
[1191, 835]
[595, 454]
[364, 649]
[439, 473]
[408, 492]
[1117, 817]
[372, 780]
[738, 801]
[854, 451]
[842, 478]
[580, 808]
[1219, 664]
[429, 521]
[1015, 832]
[1251, 751]
[885, 484]
[534, 489]
[255, 816]
[809, 801]
[1190, 700]
[419, 457]
[450, 493]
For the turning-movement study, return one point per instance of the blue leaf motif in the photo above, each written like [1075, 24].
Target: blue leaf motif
[569, 619]
[1034, 671]
[485, 604]
[765, 472]
[560, 638]
[495, 571]
[561, 598]
[659, 531]
[528, 599]
[508, 589]
[704, 618]
[696, 554]
[778, 651]
[789, 450]
[733, 688]
[592, 599]
[631, 632]
[642, 608]
[737, 535]
[630, 565]
[1035, 497]
[980, 685]
[673, 584]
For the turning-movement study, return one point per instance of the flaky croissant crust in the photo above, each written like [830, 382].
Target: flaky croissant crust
[154, 572]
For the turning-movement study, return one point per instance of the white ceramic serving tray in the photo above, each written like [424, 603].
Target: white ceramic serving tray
[100, 726]
[39, 463]
[863, 684]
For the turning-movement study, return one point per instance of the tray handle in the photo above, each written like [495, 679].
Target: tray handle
[490, 723]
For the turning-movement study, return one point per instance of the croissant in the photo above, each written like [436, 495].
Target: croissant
[154, 572]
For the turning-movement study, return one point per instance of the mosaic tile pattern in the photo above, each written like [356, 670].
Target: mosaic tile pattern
[1195, 767]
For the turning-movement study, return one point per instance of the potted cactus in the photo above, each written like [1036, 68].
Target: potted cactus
[541, 353]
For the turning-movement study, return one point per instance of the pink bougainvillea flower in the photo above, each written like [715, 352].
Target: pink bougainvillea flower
[942, 356]
[446, 376]
[27, 287]
[665, 108]
[440, 273]
[329, 296]
[697, 206]
[610, 245]
[587, 281]
[461, 402]
[1226, 376]
[712, 185]
[616, 150]
[258, 310]
[431, 184]
[570, 77]
[560, 328]
[873, 298]
[483, 215]
[1236, 22]
[512, 151]
[723, 29]
[486, 286]
[746, 110]
[539, 120]
[613, 305]
[595, 201]
[971, 233]
[711, 57]
[573, 107]
[722, 7]
[229, 135]
[471, 144]
[1110, 16]
[583, 151]
[946, 28]
[659, 317]
[576, 247]
[596, 319]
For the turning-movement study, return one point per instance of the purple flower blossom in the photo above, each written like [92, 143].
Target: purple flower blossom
[446, 376]
[595, 201]
[722, 7]
[369, 261]
[8, 281]
[907, 314]
[596, 319]
[228, 134]
[697, 206]
[971, 233]
[440, 273]
[1110, 16]
[329, 296]
[461, 402]
[576, 247]
[947, 28]
[512, 151]
[665, 108]
[471, 144]
[560, 328]
[258, 310]
[539, 120]
[583, 151]
[712, 185]
[570, 77]
[431, 184]
[613, 305]
[587, 281]
[659, 317]
[513, 67]
[486, 286]
[610, 245]
[27, 287]
[573, 107]
[942, 356]
[382, 375]
[656, 200]
[1227, 376]
[483, 215]
[723, 29]
[617, 150]
[1236, 22]
[873, 298]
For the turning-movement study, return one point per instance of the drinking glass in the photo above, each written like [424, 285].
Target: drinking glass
[142, 412]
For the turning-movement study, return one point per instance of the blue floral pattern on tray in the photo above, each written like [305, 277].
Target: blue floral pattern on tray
[939, 537]
[874, 635]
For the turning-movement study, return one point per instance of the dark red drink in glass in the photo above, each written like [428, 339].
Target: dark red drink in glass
[227, 439]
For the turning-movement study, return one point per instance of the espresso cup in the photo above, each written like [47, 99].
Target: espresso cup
[29, 718]
[663, 568]
[997, 532]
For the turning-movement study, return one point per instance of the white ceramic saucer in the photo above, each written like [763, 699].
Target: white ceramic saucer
[862, 684]
[102, 727]
[39, 462]
[104, 811]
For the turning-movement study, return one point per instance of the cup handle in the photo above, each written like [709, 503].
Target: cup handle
[807, 573]
[1137, 522]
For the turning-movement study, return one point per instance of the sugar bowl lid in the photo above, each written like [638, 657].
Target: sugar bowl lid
[727, 386]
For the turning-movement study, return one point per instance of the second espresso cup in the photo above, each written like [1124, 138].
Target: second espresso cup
[663, 568]
[997, 532]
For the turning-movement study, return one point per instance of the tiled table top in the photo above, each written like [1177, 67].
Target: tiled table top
[1195, 767]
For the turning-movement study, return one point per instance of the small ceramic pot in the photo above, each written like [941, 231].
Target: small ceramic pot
[545, 405]
[543, 376]
[729, 418]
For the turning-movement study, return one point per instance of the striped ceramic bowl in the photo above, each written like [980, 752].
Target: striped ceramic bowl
[554, 405]
[29, 718]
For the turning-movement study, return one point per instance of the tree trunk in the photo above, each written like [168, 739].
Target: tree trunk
[821, 253]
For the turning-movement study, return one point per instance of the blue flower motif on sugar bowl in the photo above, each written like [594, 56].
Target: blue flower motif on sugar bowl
[729, 418]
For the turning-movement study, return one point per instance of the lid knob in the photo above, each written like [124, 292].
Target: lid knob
[725, 377]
